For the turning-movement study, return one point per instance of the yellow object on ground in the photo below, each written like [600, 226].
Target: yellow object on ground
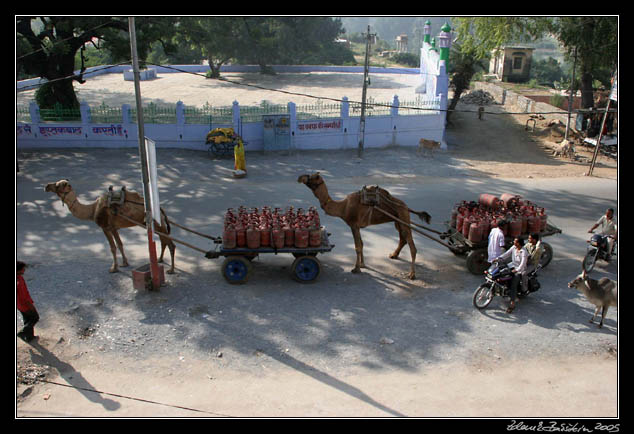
[238, 153]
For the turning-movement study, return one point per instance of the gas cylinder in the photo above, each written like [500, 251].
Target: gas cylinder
[314, 236]
[515, 227]
[534, 223]
[278, 237]
[459, 220]
[509, 200]
[229, 237]
[489, 200]
[253, 237]
[475, 231]
[543, 220]
[301, 237]
[466, 225]
[265, 235]
[241, 235]
[289, 236]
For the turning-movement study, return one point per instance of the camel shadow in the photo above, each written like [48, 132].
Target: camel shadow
[70, 375]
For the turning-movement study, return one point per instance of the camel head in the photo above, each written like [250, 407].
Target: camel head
[312, 181]
[60, 188]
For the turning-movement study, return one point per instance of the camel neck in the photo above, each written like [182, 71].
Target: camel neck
[326, 202]
[76, 208]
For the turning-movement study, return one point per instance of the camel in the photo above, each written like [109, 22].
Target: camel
[359, 215]
[109, 219]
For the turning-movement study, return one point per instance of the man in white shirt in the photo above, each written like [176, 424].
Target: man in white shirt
[496, 240]
[519, 259]
[608, 227]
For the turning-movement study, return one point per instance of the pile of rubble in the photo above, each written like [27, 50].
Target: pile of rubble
[478, 97]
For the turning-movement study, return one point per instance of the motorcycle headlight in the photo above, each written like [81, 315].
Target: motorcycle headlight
[594, 243]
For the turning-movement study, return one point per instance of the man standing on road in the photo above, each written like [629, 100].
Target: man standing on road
[25, 305]
[496, 241]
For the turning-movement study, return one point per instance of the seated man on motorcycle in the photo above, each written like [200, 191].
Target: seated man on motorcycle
[534, 249]
[608, 228]
[519, 258]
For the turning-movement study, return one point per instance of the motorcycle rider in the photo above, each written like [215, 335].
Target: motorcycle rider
[519, 258]
[608, 228]
[534, 249]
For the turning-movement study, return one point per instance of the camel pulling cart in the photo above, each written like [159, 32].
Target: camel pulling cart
[468, 229]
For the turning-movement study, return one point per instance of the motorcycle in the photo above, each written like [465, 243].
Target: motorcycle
[597, 249]
[498, 282]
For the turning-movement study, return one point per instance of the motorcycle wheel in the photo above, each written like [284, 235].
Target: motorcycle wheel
[483, 295]
[589, 260]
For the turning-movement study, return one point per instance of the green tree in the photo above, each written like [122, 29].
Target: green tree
[595, 42]
[46, 47]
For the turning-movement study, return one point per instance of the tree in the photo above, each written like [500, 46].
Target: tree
[595, 42]
[47, 47]
[478, 37]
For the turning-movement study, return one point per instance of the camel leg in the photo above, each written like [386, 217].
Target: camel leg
[120, 246]
[358, 247]
[401, 242]
[113, 249]
[412, 249]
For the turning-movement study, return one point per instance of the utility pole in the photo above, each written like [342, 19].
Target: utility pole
[149, 223]
[366, 81]
[572, 92]
[605, 116]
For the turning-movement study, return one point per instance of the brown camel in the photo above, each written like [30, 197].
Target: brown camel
[358, 215]
[109, 219]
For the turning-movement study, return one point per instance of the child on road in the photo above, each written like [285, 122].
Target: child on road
[25, 305]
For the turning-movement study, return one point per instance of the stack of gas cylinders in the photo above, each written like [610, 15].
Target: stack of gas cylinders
[256, 228]
[476, 219]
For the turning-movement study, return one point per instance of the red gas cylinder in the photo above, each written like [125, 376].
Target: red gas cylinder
[489, 200]
[510, 201]
[241, 235]
[534, 223]
[301, 237]
[278, 237]
[466, 226]
[543, 220]
[289, 236]
[229, 237]
[314, 238]
[265, 235]
[476, 231]
[459, 221]
[253, 237]
[515, 227]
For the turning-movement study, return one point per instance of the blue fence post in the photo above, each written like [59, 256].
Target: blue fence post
[345, 108]
[180, 118]
[292, 112]
[394, 108]
[84, 110]
[34, 111]
[235, 118]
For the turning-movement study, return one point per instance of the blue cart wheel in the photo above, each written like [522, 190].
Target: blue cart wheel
[305, 269]
[236, 269]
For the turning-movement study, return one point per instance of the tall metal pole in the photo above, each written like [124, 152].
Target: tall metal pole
[154, 269]
[572, 88]
[366, 71]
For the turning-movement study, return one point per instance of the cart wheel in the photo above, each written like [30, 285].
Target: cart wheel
[305, 269]
[299, 255]
[477, 261]
[236, 269]
[547, 255]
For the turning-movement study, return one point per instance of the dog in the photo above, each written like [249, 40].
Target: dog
[427, 146]
[566, 149]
